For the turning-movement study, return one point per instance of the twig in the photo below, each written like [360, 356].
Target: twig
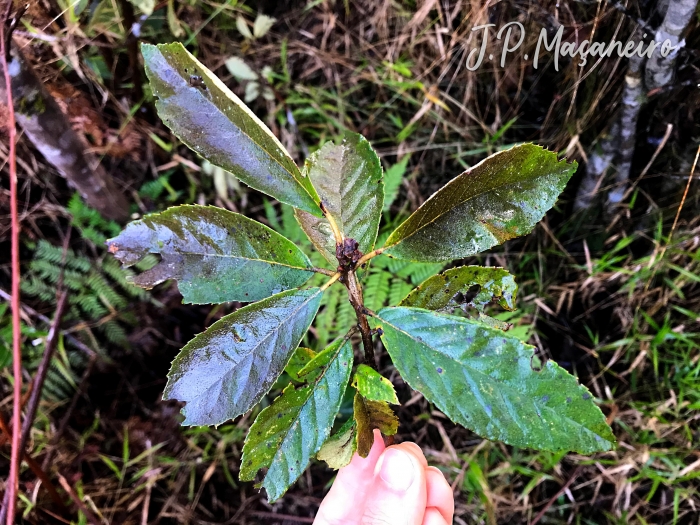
[35, 397]
[554, 498]
[73, 340]
[13, 479]
[66, 417]
[39, 472]
[680, 206]
[88, 515]
[357, 302]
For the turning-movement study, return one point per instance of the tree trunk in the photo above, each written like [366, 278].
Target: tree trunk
[659, 70]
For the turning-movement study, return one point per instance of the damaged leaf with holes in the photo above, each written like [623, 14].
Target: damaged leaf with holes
[261, 346]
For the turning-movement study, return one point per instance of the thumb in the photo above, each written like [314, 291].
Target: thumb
[399, 494]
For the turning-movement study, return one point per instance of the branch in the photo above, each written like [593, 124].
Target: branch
[659, 70]
[35, 397]
[598, 162]
[632, 101]
[13, 478]
[357, 302]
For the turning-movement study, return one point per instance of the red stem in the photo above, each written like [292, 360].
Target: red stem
[13, 483]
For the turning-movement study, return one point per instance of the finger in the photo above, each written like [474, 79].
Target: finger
[399, 494]
[414, 449]
[440, 494]
[343, 505]
[434, 517]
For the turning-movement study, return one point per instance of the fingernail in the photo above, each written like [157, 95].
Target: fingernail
[396, 469]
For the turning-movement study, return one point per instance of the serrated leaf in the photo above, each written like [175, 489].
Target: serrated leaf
[215, 255]
[370, 383]
[464, 285]
[204, 114]
[287, 434]
[262, 25]
[392, 181]
[224, 371]
[348, 178]
[239, 69]
[338, 449]
[500, 198]
[300, 358]
[243, 28]
[486, 381]
[369, 415]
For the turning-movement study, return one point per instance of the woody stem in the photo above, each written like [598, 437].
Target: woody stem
[355, 295]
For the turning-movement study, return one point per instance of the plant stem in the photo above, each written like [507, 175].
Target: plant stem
[355, 294]
[324, 271]
[366, 257]
[13, 479]
[339, 237]
[333, 279]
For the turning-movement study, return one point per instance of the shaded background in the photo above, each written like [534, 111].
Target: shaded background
[605, 290]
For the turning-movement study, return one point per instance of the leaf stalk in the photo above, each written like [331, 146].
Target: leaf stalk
[370, 255]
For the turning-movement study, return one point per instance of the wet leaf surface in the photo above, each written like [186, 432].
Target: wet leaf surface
[210, 119]
[287, 434]
[369, 415]
[224, 371]
[338, 449]
[299, 360]
[214, 254]
[348, 178]
[370, 383]
[500, 198]
[491, 384]
[454, 288]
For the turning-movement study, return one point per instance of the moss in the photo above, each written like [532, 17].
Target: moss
[31, 105]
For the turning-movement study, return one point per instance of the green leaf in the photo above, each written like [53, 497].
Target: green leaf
[338, 449]
[369, 415]
[348, 178]
[215, 255]
[465, 285]
[299, 360]
[370, 383]
[392, 181]
[500, 198]
[287, 434]
[204, 114]
[485, 381]
[223, 372]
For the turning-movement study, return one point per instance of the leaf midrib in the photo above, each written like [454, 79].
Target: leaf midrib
[455, 206]
[311, 392]
[307, 268]
[239, 104]
[488, 376]
[261, 341]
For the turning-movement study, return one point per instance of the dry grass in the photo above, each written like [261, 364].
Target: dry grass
[602, 300]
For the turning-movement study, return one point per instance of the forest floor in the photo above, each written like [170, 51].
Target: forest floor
[612, 296]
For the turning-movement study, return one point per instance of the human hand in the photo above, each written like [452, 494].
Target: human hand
[392, 486]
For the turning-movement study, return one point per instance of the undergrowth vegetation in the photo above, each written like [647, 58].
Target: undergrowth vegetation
[612, 299]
